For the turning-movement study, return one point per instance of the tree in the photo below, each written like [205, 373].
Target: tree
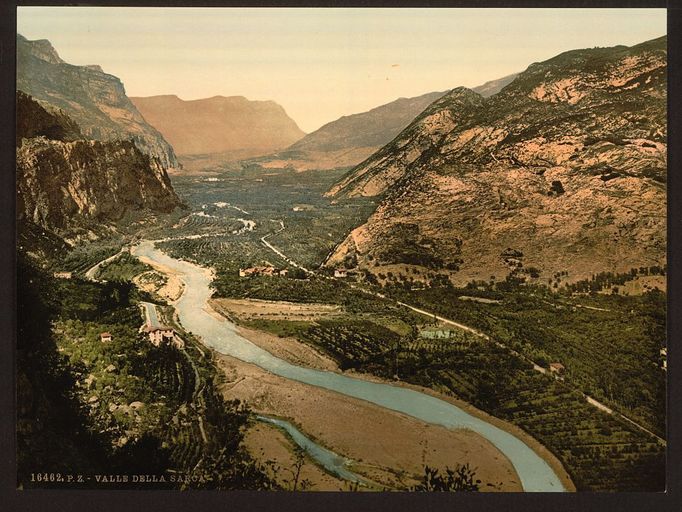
[460, 479]
[296, 483]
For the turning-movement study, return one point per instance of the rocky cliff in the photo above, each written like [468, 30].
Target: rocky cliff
[95, 100]
[219, 124]
[564, 170]
[66, 183]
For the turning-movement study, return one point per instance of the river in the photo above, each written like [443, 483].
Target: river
[535, 473]
[333, 463]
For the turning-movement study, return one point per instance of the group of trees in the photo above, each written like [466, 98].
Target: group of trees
[611, 280]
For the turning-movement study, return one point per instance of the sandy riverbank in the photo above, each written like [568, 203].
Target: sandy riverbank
[268, 443]
[388, 447]
[251, 309]
[299, 353]
[173, 287]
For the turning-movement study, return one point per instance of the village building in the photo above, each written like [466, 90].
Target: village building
[340, 272]
[556, 367]
[163, 335]
[105, 337]
[63, 275]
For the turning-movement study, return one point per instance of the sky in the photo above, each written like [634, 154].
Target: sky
[323, 63]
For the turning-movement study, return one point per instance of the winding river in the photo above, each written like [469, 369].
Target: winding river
[535, 473]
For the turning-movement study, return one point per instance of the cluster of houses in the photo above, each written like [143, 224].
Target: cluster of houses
[269, 270]
[266, 270]
[157, 333]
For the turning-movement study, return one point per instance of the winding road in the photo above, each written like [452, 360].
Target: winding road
[91, 273]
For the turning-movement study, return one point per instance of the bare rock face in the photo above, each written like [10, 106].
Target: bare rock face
[565, 166]
[417, 141]
[65, 181]
[95, 100]
[219, 124]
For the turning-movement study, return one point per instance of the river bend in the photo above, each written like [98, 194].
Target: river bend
[219, 334]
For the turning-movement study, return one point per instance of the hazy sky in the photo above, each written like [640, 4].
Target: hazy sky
[320, 64]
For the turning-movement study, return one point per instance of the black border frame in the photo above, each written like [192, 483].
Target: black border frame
[96, 500]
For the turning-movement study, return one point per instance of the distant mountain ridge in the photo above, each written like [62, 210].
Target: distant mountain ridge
[219, 124]
[350, 139]
[375, 127]
[563, 170]
[95, 100]
[494, 86]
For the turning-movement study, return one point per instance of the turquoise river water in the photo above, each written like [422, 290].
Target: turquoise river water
[535, 473]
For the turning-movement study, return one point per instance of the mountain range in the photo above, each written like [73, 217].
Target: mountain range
[562, 171]
[219, 124]
[350, 139]
[95, 100]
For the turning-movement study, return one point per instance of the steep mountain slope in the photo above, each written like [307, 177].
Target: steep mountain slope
[72, 186]
[350, 139]
[219, 124]
[563, 170]
[93, 99]
[375, 127]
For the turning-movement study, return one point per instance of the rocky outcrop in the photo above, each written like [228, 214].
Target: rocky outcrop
[219, 124]
[417, 141]
[65, 181]
[95, 100]
[33, 120]
[566, 165]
